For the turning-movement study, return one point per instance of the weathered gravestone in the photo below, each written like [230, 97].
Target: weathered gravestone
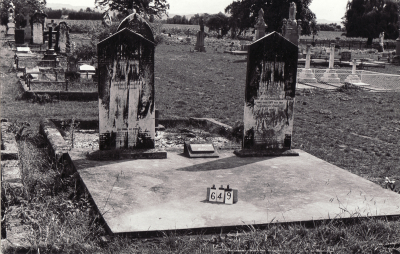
[269, 97]
[37, 27]
[11, 21]
[62, 39]
[260, 26]
[28, 28]
[381, 42]
[19, 36]
[291, 29]
[200, 38]
[126, 86]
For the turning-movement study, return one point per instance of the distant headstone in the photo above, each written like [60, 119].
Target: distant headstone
[330, 75]
[126, 88]
[11, 21]
[200, 38]
[353, 78]
[19, 36]
[307, 75]
[260, 26]
[291, 28]
[345, 56]
[269, 97]
[28, 28]
[63, 43]
[381, 42]
[38, 27]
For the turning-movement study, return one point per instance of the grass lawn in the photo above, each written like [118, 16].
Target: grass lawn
[353, 129]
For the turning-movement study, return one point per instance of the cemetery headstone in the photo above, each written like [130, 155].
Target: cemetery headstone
[260, 26]
[291, 29]
[381, 42]
[28, 28]
[345, 56]
[126, 87]
[330, 75]
[269, 97]
[38, 27]
[307, 75]
[398, 42]
[200, 37]
[63, 43]
[11, 21]
[19, 36]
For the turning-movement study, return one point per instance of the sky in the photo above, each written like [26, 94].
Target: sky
[332, 10]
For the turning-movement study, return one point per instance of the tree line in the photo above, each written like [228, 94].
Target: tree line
[87, 14]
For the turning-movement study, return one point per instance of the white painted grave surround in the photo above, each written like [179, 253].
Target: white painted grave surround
[307, 75]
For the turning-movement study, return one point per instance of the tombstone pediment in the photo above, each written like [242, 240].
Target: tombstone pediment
[38, 17]
[137, 24]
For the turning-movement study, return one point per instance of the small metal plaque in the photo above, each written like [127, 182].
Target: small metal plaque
[202, 148]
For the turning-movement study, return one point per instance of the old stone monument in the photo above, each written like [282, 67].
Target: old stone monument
[11, 21]
[397, 57]
[269, 97]
[28, 28]
[37, 22]
[260, 26]
[307, 75]
[381, 42]
[62, 40]
[126, 86]
[291, 28]
[330, 75]
[200, 37]
[353, 78]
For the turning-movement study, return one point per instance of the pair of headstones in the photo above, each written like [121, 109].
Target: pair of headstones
[126, 91]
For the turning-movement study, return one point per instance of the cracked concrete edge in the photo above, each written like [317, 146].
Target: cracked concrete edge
[10, 151]
[53, 136]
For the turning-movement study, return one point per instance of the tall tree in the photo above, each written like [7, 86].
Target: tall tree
[244, 13]
[22, 8]
[368, 18]
[147, 7]
[218, 22]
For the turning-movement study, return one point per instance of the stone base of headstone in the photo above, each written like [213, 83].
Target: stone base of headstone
[330, 76]
[264, 153]
[380, 49]
[200, 48]
[353, 79]
[10, 29]
[50, 55]
[307, 76]
[127, 154]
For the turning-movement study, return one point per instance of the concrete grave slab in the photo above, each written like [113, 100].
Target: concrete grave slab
[170, 194]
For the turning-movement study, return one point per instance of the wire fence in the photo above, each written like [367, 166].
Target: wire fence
[373, 79]
[349, 44]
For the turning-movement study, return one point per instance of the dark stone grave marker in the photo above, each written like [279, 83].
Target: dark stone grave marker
[199, 150]
[126, 88]
[269, 97]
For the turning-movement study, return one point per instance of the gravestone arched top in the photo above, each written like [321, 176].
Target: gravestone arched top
[137, 24]
[38, 17]
[62, 25]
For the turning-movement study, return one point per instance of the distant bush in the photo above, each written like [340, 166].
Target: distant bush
[81, 15]
[53, 14]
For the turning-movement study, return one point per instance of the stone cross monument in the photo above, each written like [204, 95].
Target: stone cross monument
[353, 78]
[260, 26]
[330, 75]
[307, 75]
